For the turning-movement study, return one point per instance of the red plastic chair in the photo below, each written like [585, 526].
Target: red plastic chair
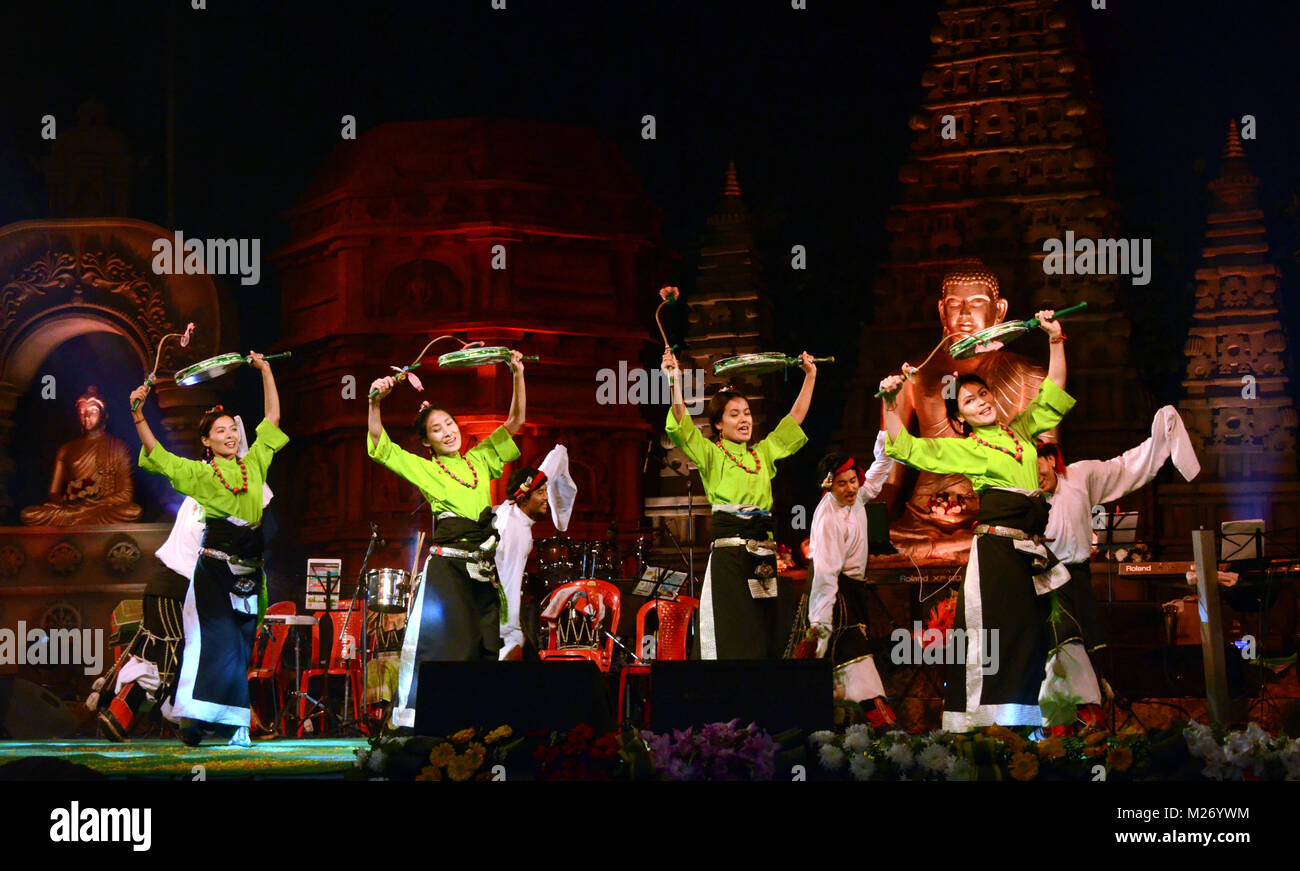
[350, 669]
[599, 648]
[264, 668]
[670, 645]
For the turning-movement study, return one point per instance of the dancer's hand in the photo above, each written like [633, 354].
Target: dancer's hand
[258, 362]
[806, 364]
[516, 362]
[1047, 322]
[381, 387]
[669, 363]
[138, 395]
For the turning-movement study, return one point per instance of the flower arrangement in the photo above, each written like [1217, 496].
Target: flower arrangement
[718, 751]
[579, 755]
[461, 756]
[1248, 754]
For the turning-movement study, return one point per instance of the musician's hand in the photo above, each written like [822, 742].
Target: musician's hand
[139, 394]
[258, 362]
[1047, 322]
[890, 387]
[516, 362]
[807, 365]
[669, 363]
[381, 387]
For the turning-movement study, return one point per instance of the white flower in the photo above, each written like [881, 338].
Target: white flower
[857, 742]
[1256, 735]
[934, 758]
[858, 729]
[376, 761]
[862, 767]
[817, 739]
[900, 756]
[1239, 749]
[831, 757]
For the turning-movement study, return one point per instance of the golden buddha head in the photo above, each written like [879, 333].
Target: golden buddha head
[91, 410]
[970, 300]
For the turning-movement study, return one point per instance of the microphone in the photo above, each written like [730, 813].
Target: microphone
[374, 536]
[649, 448]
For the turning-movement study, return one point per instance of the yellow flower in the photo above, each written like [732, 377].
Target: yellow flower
[1119, 758]
[1024, 766]
[1094, 752]
[464, 736]
[442, 754]
[461, 768]
[429, 773]
[476, 753]
[1014, 742]
[1051, 748]
[497, 734]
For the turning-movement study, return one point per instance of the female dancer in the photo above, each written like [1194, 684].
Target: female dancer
[227, 596]
[1000, 613]
[739, 614]
[457, 613]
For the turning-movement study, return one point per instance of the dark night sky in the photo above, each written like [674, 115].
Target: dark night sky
[812, 106]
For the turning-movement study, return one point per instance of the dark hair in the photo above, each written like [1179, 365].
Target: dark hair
[209, 420]
[1048, 449]
[718, 405]
[518, 477]
[950, 402]
[829, 464]
[422, 420]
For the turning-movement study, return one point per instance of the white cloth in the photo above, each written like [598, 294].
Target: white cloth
[516, 531]
[1095, 482]
[561, 492]
[180, 552]
[838, 539]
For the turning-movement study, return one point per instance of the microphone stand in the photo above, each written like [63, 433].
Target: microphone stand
[361, 591]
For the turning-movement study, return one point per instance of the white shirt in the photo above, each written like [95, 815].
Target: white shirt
[1094, 482]
[838, 539]
[516, 531]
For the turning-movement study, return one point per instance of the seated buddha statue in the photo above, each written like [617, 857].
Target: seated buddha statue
[92, 476]
[940, 510]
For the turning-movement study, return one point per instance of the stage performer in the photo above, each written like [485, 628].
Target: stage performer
[226, 599]
[532, 495]
[739, 612]
[459, 608]
[1072, 491]
[145, 681]
[1000, 613]
[837, 595]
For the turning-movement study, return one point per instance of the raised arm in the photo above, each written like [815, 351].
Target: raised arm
[1056, 346]
[671, 368]
[800, 408]
[270, 396]
[379, 388]
[515, 420]
[137, 417]
[892, 387]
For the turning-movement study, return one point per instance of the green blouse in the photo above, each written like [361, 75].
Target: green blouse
[725, 483]
[196, 478]
[986, 467]
[489, 458]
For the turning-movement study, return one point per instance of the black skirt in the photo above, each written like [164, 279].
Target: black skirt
[737, 619]
[1002, 636]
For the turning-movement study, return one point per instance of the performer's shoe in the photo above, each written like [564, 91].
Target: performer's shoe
[110, 728]
[191, 736]
[241, 738]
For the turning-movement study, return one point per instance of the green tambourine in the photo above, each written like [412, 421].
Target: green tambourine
[467, 358]
[760, 364]
[994, 337]
[215, 367]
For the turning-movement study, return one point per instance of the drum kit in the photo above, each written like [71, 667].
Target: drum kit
[563, 559]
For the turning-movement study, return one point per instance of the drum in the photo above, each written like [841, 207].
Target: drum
[559, 561]
[389, 590]
[467, 358]
[600, 560]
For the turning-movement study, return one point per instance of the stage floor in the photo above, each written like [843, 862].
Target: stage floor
[317, 757]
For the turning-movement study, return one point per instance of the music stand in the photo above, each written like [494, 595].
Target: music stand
[1117, 529]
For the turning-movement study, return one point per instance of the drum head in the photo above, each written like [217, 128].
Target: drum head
[470, 357]
[752, 364]
[206, 370]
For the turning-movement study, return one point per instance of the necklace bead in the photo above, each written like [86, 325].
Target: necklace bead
[452, 475]
[758, 464]
[1016, 455]
[243, 470]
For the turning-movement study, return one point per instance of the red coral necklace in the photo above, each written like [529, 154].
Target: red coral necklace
[1016, 455]
[243, 470]
[452, 474]
[758, 464]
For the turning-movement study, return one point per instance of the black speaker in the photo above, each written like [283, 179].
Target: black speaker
[776, 694]
[27, 711]
[529, 696]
